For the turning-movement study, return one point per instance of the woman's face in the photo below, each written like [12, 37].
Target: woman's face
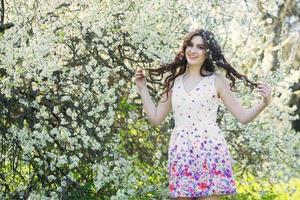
[195, 51]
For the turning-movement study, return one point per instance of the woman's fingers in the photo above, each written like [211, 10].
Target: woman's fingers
[262, 93]
[265, 90]
[139, 74]
[264, 87]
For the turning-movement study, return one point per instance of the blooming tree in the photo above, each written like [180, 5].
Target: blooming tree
[69, 110]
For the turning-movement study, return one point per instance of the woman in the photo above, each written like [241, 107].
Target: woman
[199, 163]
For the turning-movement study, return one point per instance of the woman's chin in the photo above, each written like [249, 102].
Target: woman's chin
[191, 62]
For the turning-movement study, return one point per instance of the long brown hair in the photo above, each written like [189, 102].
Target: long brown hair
[214, 58]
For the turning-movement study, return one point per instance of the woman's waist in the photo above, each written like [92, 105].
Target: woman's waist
[193, 131]
[198, 126]
[210, 129]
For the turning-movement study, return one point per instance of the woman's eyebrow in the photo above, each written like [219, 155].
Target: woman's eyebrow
[198, 44]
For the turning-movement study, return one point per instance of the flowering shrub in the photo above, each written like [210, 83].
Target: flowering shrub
[71, 121]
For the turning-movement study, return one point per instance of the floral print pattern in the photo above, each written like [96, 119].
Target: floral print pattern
[199, 163]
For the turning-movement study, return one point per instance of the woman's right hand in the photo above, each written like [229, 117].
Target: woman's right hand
[140, 79]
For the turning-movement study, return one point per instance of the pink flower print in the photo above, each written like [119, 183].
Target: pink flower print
[205, 166]
[186, 172]
[202, 186]
[172, 187]
[173, 168]
[214, 165]
[216, 172]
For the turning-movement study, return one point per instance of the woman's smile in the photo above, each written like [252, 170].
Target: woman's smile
[192, 56]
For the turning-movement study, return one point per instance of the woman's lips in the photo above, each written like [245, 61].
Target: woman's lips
[192, 57]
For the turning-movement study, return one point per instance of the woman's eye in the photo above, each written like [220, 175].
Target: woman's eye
[199, 47]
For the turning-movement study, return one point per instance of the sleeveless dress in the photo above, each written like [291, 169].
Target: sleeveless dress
[199, 162]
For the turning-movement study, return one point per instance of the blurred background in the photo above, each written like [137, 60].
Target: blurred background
[72, 125]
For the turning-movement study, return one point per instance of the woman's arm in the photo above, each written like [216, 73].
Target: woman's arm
[234, 106]
[156, 115]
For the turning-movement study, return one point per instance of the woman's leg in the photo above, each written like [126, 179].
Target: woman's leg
[213, 197]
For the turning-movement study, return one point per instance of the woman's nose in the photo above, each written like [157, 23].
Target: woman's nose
[193, 49]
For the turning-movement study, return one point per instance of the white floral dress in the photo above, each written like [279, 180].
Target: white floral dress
[199, 163]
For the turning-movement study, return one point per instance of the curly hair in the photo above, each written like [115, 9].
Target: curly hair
[214, 58]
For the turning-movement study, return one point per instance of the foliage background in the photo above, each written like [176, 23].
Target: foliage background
[72, 123]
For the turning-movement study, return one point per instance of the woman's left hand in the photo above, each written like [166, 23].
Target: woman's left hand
[265, 90]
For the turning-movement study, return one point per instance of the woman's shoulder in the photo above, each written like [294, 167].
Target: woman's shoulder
[178, 77]
[174, 82]
[217, 74]
[221, 81]
[220, 77]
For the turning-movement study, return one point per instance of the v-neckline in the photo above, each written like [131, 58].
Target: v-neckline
[194, 87]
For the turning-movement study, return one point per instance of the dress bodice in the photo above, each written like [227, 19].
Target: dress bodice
[197, 107]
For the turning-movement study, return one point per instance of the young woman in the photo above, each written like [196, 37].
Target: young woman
[199, 163]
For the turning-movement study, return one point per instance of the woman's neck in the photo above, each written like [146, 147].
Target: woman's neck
[194, 71]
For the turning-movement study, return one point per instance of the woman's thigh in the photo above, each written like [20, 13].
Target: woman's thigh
[213, 197]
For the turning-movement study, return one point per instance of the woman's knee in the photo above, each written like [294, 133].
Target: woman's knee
[214, 197]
